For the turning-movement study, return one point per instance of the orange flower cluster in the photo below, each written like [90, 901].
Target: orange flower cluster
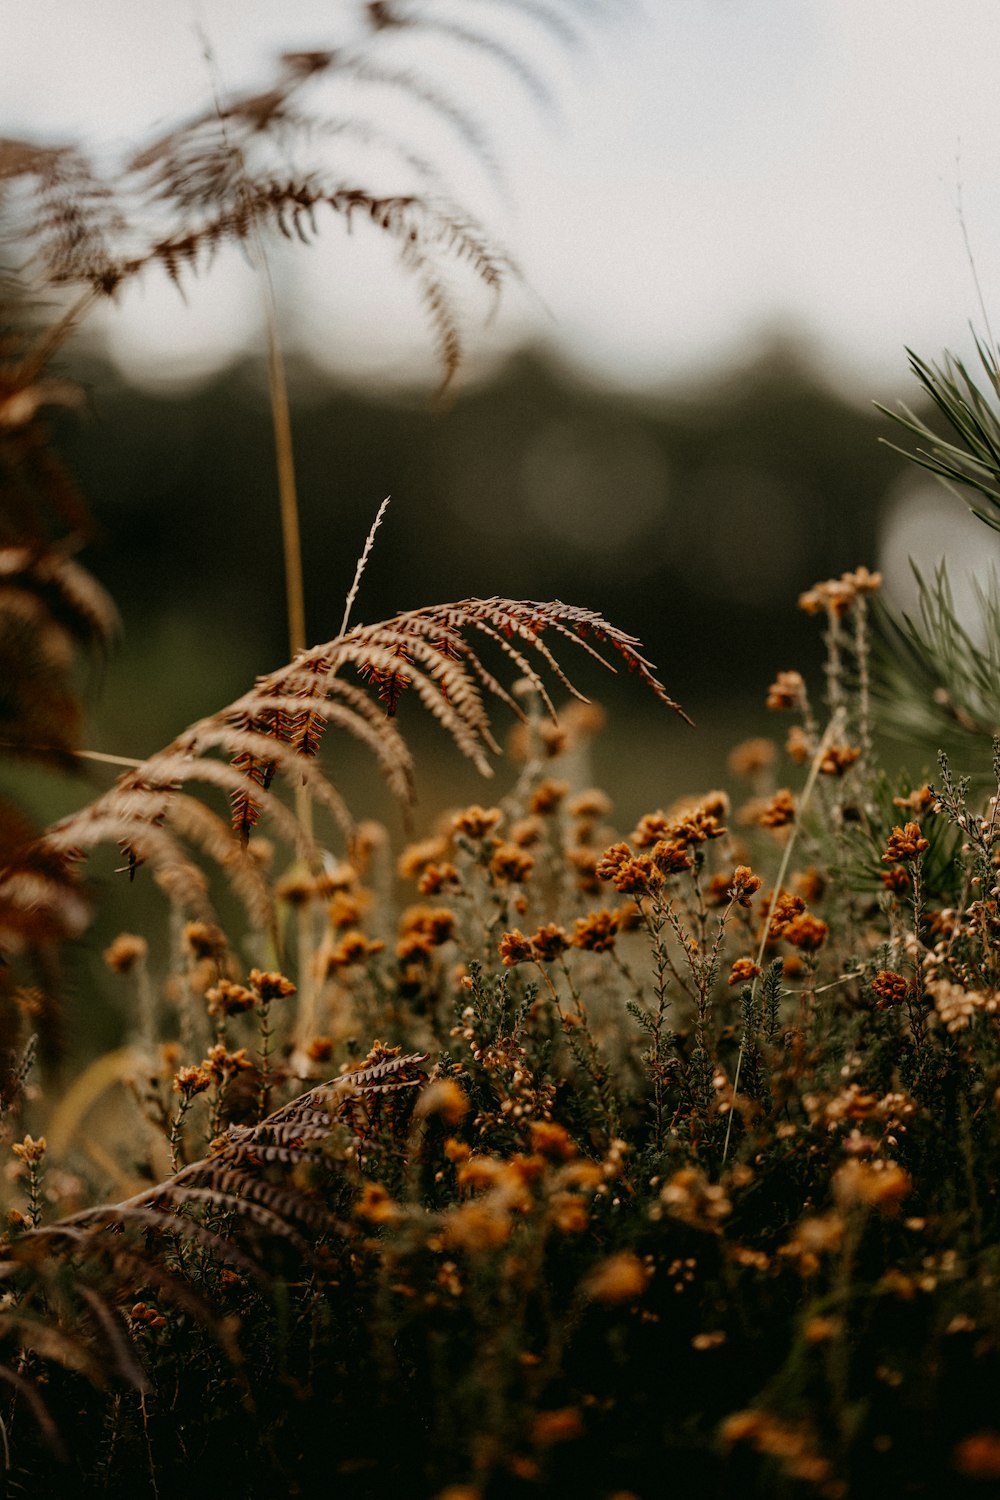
[890, 989]
[905, 844]
[779, 812]
[228, 999]
[836, 595]
[806, 932]
[838, 758]
[510, 864]
[476, 822]
[786, 909]
[787, 691]
[352, 948]
[544, 946]
[745, 885]
[125, 953]
[424, 928]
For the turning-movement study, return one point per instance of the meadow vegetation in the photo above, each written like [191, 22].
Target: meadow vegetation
[535, 1156]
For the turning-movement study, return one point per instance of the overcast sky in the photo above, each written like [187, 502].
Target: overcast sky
[715, 168]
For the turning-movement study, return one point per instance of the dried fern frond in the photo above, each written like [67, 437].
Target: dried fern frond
[277, 727]
[72, 1286]
[248, 163]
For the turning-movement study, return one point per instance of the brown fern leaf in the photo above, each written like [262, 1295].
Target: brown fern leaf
[274, 729]
[384, 15]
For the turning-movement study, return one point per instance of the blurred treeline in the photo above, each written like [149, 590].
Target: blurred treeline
[691, 517]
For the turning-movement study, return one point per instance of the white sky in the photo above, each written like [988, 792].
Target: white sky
[718, 167]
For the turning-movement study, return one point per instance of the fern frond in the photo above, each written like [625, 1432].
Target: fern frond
[275, 728]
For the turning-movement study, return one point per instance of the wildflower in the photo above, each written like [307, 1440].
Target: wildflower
[955, 1006]
[862, 581]
[612, 859]
[443, 1097]
[549, 942]
[415, 858]
[511, 864]
[814, 1236]
[838, 758]
[918, 801]
[482, 1224]
[904, 844]
[188, 1082]
[745, 885]
[670, 856]
[228, 999]
[568, 1212]
[347, 910]
[744, 971]
[584, 862]
[376, 1206]
[270, 986]
[29, 1150]
[697, 827]
[515, 948]
[434, 924]
[788, 690]
[551, 1140]
[222, 1066]
[779, 812]
[553, 737]
[750, 757]
[809, 883]
[204, 940]
[799, 746]
[690, 1197]
[527, 832]
[835, 596]
[476, 822]
[320, 1049]
[890, 989]
[786, 909]
[353, 948]
[592, 803]
[334, 877]
[896, 880]
[881, 1184]
[295, 889]
[436, 877]
[619, 1278]
[596, 932]
[635, 875]
[650, 828]
[547, 796]
[125, 953]
[806, 932]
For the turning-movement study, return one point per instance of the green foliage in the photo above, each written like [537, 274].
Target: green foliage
[973, 462]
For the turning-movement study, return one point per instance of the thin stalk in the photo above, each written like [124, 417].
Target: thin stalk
[833, 728]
